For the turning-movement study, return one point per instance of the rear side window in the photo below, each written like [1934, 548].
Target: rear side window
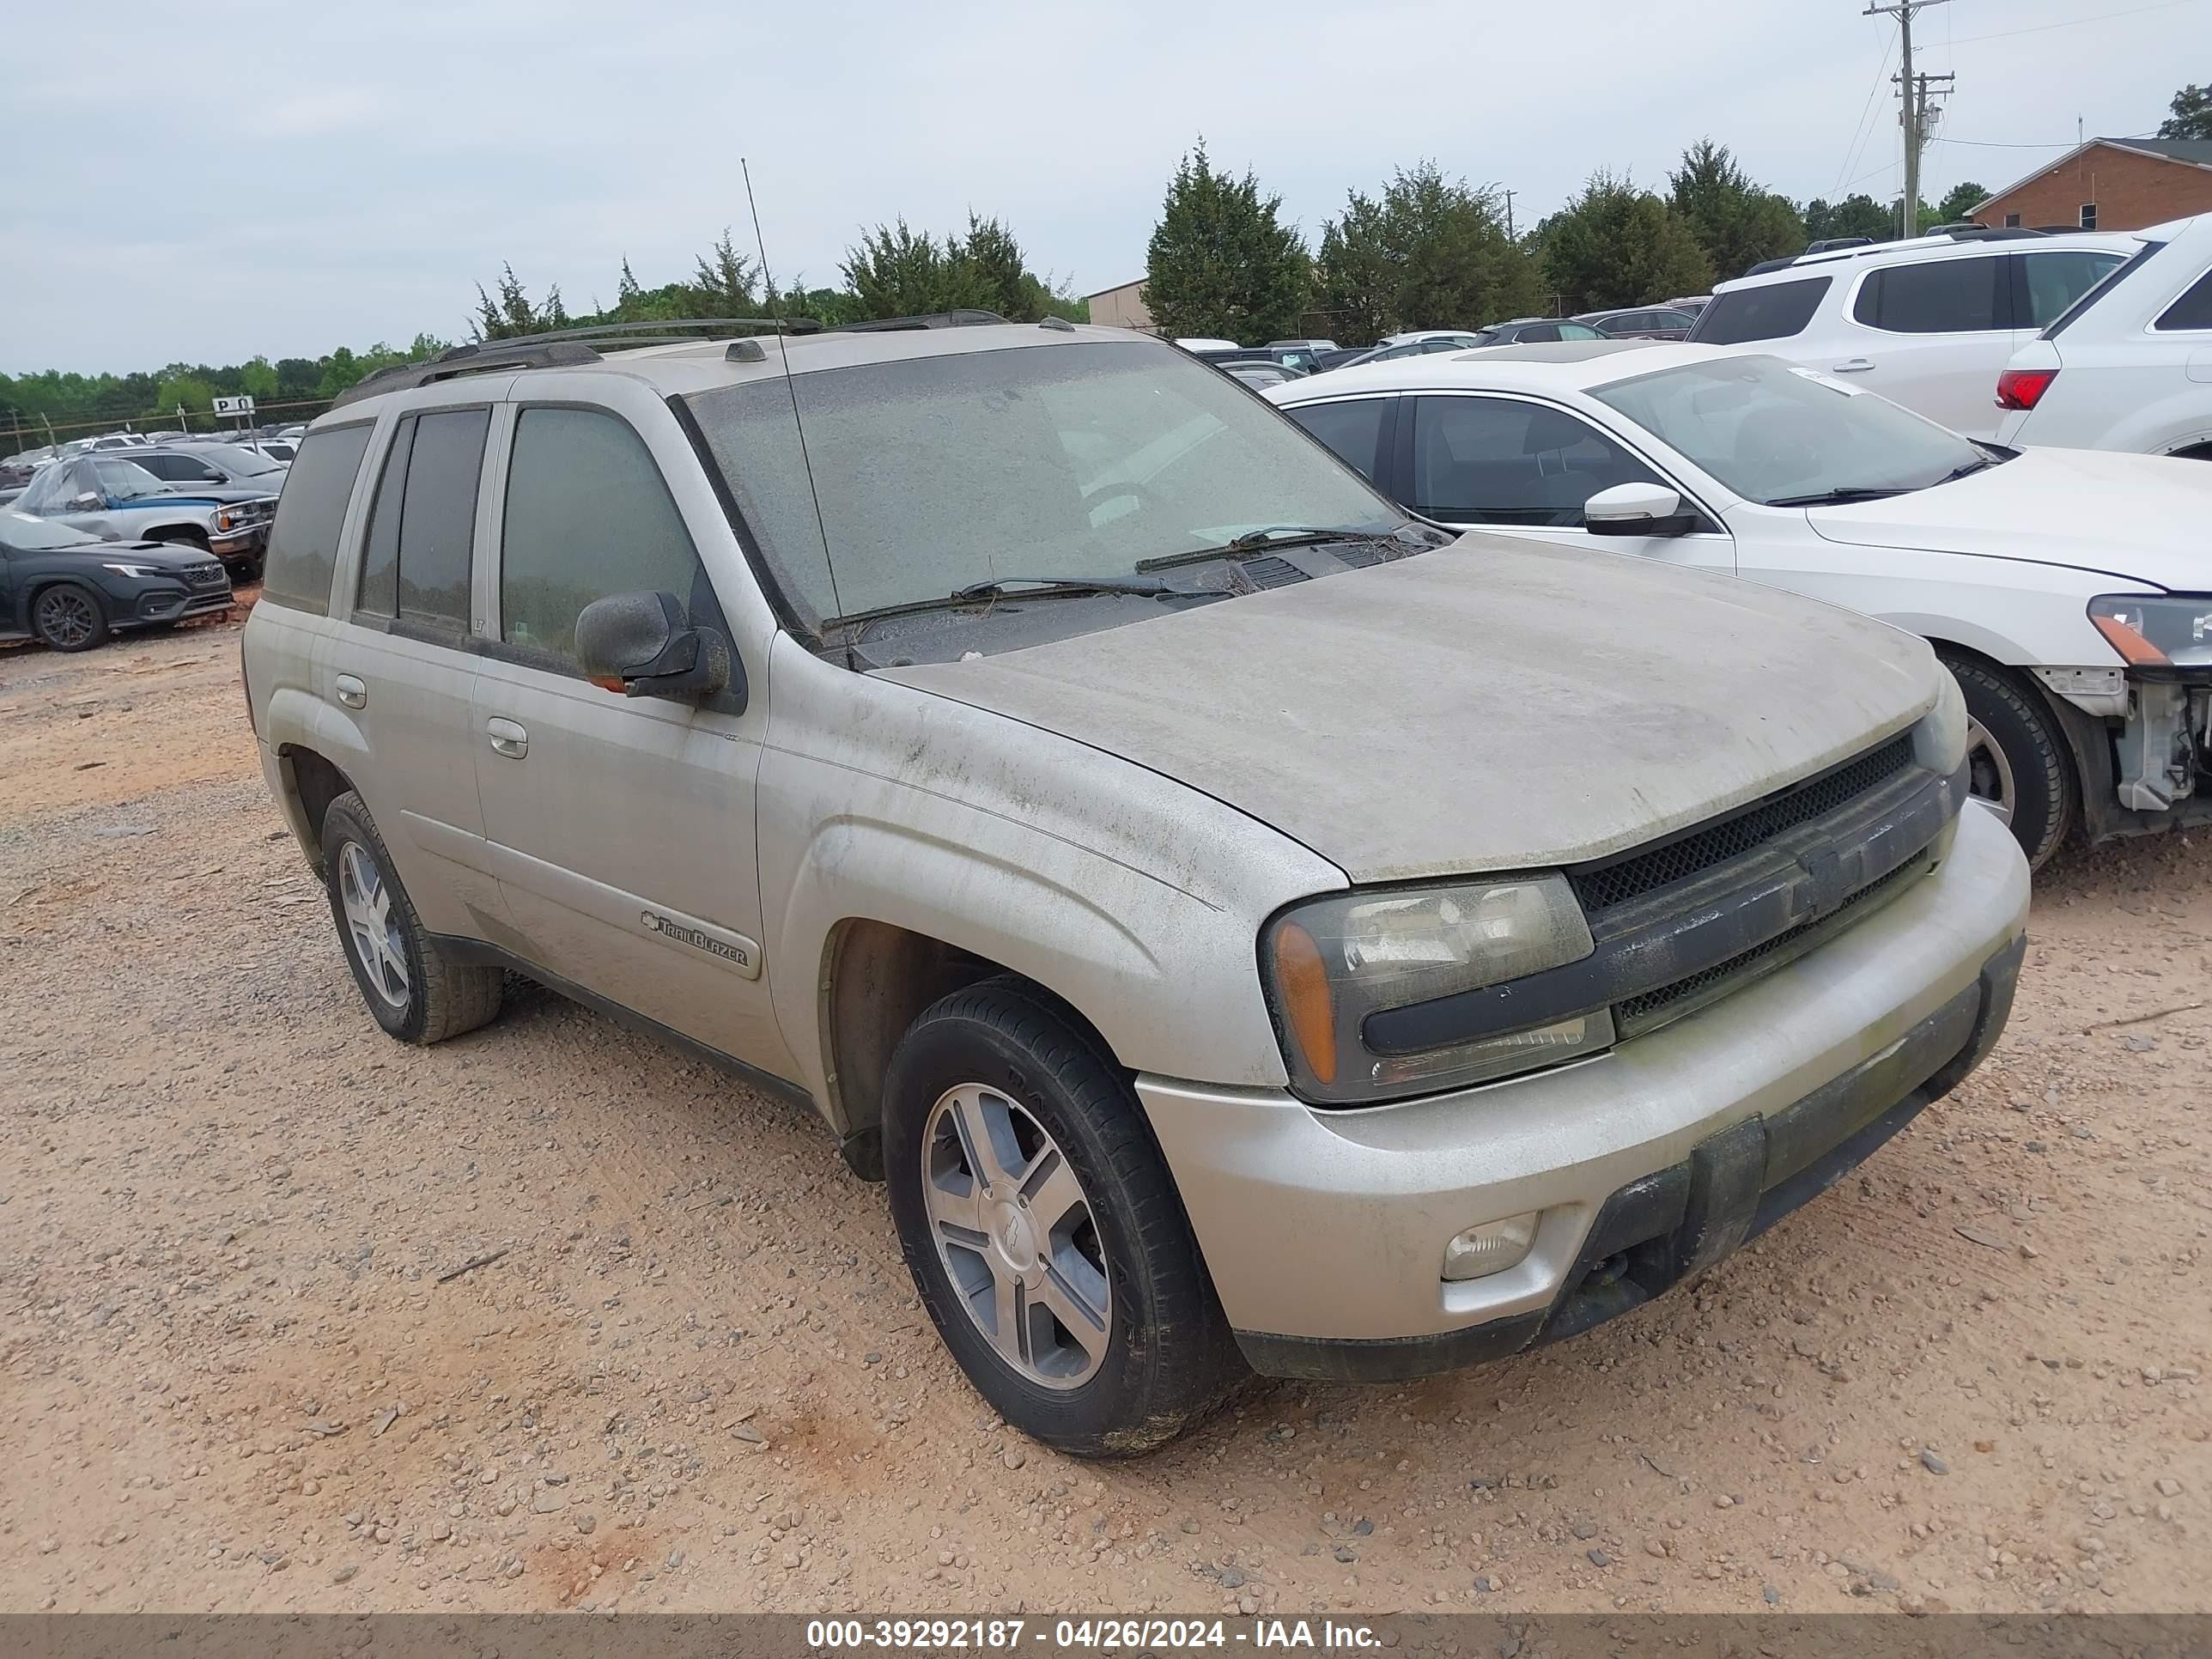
[2128, 268]
[587, 515]
[303, 542]
[1942, 296]
[423, 520]
[2192, 310]
[1353, 430]
[2055, 280]
[1773, 311]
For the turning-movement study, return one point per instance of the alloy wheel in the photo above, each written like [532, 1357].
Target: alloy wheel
[377, 939]
[1989, 773]
[1017, 1236]
[66, 618]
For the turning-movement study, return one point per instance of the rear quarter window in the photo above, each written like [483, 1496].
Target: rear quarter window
[2193, 310]
[1772, 311]
[303, 541]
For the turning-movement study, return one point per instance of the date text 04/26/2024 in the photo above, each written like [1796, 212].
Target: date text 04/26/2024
[831, 1635]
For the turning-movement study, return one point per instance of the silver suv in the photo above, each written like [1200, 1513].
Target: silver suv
[1245, 928]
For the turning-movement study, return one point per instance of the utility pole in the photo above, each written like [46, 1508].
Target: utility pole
[1509, 213]
[1912, 94]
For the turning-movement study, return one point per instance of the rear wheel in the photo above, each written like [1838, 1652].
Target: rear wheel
[415, 991]
[1042, 1229]
[2017, 757]
[69, 618]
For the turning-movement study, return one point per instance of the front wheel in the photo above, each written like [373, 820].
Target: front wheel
[68, 617]
[2017, 758]
[1042, 1227]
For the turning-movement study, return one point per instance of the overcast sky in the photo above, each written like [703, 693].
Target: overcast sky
[208, 180]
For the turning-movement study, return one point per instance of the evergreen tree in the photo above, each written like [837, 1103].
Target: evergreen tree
[1432, 253]
[1614, 245]
[1220, 264]
[2192, 114]
[1956, 207]
[1737, 223]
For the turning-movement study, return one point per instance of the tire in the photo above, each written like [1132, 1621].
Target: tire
[2019, 758]
[68, 616]
[997, 1056]
[415, 993]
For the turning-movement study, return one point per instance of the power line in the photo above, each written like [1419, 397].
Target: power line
[2070, 22]
[1859, 129]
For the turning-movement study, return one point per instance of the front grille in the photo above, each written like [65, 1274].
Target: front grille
[204, 575]
[1640, 1013]
[1602, 886]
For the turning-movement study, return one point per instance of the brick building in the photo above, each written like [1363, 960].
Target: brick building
[2109, 184]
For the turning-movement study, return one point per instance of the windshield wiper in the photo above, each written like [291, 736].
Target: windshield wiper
[1841, 497]
[1979, 463]
[992, 587]
[1273, 535]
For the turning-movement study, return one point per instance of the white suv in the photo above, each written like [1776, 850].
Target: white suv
[2131, 366]
[1927, 323]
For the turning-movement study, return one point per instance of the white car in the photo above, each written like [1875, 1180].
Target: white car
[1928, 322]
[2069, 591]
[2130, 366]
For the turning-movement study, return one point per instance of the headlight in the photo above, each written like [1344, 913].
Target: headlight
[2156, 630]
[134, 571]
[1940, 739]
[1332, 964]
[226, 520]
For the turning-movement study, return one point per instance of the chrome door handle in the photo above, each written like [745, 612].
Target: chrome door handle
[351, 692]
[507, 738]
[1854, 366]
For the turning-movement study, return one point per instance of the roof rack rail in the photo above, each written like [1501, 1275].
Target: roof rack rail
[555, 349]
[967, 318]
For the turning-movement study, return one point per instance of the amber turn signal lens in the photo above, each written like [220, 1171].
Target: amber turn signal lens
[2132, 647]
[1304, 984]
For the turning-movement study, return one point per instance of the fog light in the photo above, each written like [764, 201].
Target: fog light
[1490, 1249]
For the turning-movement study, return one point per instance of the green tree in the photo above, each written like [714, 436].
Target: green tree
[1855, 216]
[1959, 203]
[511, 311]
[722, 282]
[1432, 252]
[1614, 245]
[1220, 264]
[2192, 114]
[258, 380]
[899, 271]
[1737, 223]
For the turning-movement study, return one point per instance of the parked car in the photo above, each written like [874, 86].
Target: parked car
[1693, 303]
[107, 494]
[2069, 592]
[1435, 338]
[1538, 330]
[1651, 323]
[1416, 345]
[2130, 367]
[191, 464]
[1315, 346]
[1260, 375]
[1200, 345]
[69, 590]
[1188, 890]
[1927, 323]
[15, 480]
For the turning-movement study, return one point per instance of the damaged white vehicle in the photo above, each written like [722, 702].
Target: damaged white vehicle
[1245, 928]
[2069, 591]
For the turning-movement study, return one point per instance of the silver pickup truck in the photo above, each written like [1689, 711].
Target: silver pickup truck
[108, 494]
[1246, 928]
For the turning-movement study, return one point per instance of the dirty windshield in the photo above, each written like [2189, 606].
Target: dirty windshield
[1079, 460]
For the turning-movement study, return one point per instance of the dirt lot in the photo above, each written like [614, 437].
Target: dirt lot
[238, 1372]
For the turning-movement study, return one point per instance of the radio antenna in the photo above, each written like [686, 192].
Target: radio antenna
[791, 386]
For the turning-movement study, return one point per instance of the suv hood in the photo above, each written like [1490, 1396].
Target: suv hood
[2139, 517]
[1491, 705]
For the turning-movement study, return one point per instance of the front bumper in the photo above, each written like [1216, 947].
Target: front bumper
[239, 545]
[1324, 1232]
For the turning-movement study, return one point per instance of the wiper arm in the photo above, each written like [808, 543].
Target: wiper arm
[1041, 587]
[1838, 497]
[1045, 585]
[1980, 464]
[1273, 535]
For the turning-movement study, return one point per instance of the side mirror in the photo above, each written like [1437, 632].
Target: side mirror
[1636, 509]
[643, 644]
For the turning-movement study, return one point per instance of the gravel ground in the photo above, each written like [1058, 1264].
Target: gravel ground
[255, 1353]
